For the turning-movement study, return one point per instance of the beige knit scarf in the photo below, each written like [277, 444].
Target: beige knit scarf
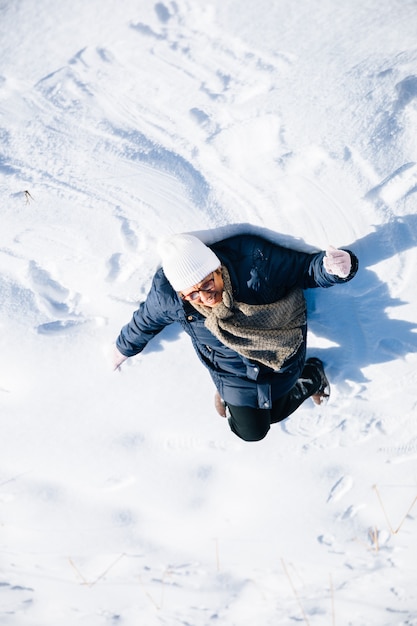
[266, 333]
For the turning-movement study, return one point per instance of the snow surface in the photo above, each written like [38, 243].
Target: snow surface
[124, 498]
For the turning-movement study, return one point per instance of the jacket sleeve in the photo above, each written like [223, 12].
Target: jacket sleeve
[316, 275]
[263, 271]
[287, 268]
[152, 316]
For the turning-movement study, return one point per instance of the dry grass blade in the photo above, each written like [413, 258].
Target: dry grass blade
[333, 605]
[394, 532]
[295, 592]
[94, 582]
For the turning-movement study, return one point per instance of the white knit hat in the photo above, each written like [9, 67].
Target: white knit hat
[186, 260]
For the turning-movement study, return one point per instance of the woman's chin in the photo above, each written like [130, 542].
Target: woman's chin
[214, 300]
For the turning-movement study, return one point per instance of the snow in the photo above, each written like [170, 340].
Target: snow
[124, 498]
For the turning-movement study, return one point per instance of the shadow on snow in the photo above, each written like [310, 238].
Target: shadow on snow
[358, 316]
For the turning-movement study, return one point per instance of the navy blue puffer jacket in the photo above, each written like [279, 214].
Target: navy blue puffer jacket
[261, 272]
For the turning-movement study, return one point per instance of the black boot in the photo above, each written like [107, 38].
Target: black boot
[323, 392]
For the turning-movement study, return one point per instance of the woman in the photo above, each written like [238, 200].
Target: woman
[241, 301]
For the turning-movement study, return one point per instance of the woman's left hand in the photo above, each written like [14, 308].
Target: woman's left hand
[337, 262]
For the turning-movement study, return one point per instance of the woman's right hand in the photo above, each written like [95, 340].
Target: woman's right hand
[118, 359]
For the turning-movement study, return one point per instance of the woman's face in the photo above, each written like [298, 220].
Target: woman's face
[208, 292]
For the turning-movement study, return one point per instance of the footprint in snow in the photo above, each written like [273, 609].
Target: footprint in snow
[58, 302]
[397, 185]
[340, 488]
[128, 233]
[114, 267]
[51, 295]
[351, 512]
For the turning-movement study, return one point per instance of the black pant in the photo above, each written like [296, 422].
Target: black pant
[253, 424]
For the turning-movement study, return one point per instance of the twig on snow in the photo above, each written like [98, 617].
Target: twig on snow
[297, 597]
[394, 532]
